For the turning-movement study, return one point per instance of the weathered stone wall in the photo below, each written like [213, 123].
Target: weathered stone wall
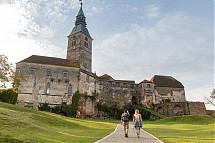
[180, 108]
[33, 89]
[86, 107]
[162, 93]
[172, 108]
[210, 112]
[197, 108]
[119, 93]
[87, 84]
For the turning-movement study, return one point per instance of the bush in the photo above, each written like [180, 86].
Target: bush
[44, 107]
[8, 96]
[69, 110]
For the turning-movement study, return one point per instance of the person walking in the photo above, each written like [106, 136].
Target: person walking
[137, 121]
[125, 122]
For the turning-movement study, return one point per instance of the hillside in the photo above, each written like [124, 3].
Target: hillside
[189, 128]
[20, 124]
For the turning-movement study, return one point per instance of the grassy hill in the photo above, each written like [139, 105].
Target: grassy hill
[189, 128]
[18, 124]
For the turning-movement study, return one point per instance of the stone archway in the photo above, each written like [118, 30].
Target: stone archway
[134, 100]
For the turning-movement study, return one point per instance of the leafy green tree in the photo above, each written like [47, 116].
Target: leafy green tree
[6, 71]
[8, 75]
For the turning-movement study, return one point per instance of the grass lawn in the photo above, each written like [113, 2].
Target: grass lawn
[19, 124]
[181, 129]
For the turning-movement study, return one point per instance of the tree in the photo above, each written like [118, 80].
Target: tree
[8, 75]
[6, 71]
[211, 99]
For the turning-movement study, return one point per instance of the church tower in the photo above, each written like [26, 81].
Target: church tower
[79, 47]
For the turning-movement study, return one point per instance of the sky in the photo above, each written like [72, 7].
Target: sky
[133, 39]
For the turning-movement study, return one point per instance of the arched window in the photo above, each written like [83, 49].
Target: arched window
[47, 88]
[86, 38]
[70, 90]
[171, 92]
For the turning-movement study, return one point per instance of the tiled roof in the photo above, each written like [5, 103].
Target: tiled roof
[80, 28]
[166, 81]
[89, 73]
[145, 81]
[106, 77]
[50, 61]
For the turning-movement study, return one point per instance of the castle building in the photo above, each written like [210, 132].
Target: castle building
[54, 80]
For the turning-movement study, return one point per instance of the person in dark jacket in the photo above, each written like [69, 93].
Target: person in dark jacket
[125, 121]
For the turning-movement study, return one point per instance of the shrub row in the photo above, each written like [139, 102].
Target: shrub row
[8, 96]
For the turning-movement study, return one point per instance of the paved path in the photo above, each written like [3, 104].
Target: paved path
[118, 136]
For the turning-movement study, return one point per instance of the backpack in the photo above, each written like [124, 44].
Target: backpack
[125, 117]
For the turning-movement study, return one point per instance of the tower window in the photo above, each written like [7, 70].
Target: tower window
[47, 88]
[70, 90]
[73, 43]
[85, 44]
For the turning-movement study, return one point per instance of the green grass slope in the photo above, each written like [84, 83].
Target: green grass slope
[183, 129]
[18, 124]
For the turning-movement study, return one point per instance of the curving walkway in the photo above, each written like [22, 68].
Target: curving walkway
[118, 136]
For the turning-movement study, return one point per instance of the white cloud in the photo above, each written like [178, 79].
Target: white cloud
[172, 45]
[200, 94]
[152, 11]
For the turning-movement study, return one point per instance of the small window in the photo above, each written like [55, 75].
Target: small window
[110, 83]
[85, 44]
[47, 88]
[74, 37]
[171, 92]
[124, 85]
[86, 38]
[48, 73]
[70, 90]
[73, 43]
[148, 85]
[117, 84]
[132, 86]
[32, 71]
[65, 74]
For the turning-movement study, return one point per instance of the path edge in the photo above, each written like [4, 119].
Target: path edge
[152, 136]
[107, 135]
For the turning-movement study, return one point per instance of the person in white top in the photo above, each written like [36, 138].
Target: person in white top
[137, 121]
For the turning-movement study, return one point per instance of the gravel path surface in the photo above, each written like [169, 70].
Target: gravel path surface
[118, 136]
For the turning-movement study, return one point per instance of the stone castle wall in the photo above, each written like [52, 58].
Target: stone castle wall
[197, 108]
[33, 89]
